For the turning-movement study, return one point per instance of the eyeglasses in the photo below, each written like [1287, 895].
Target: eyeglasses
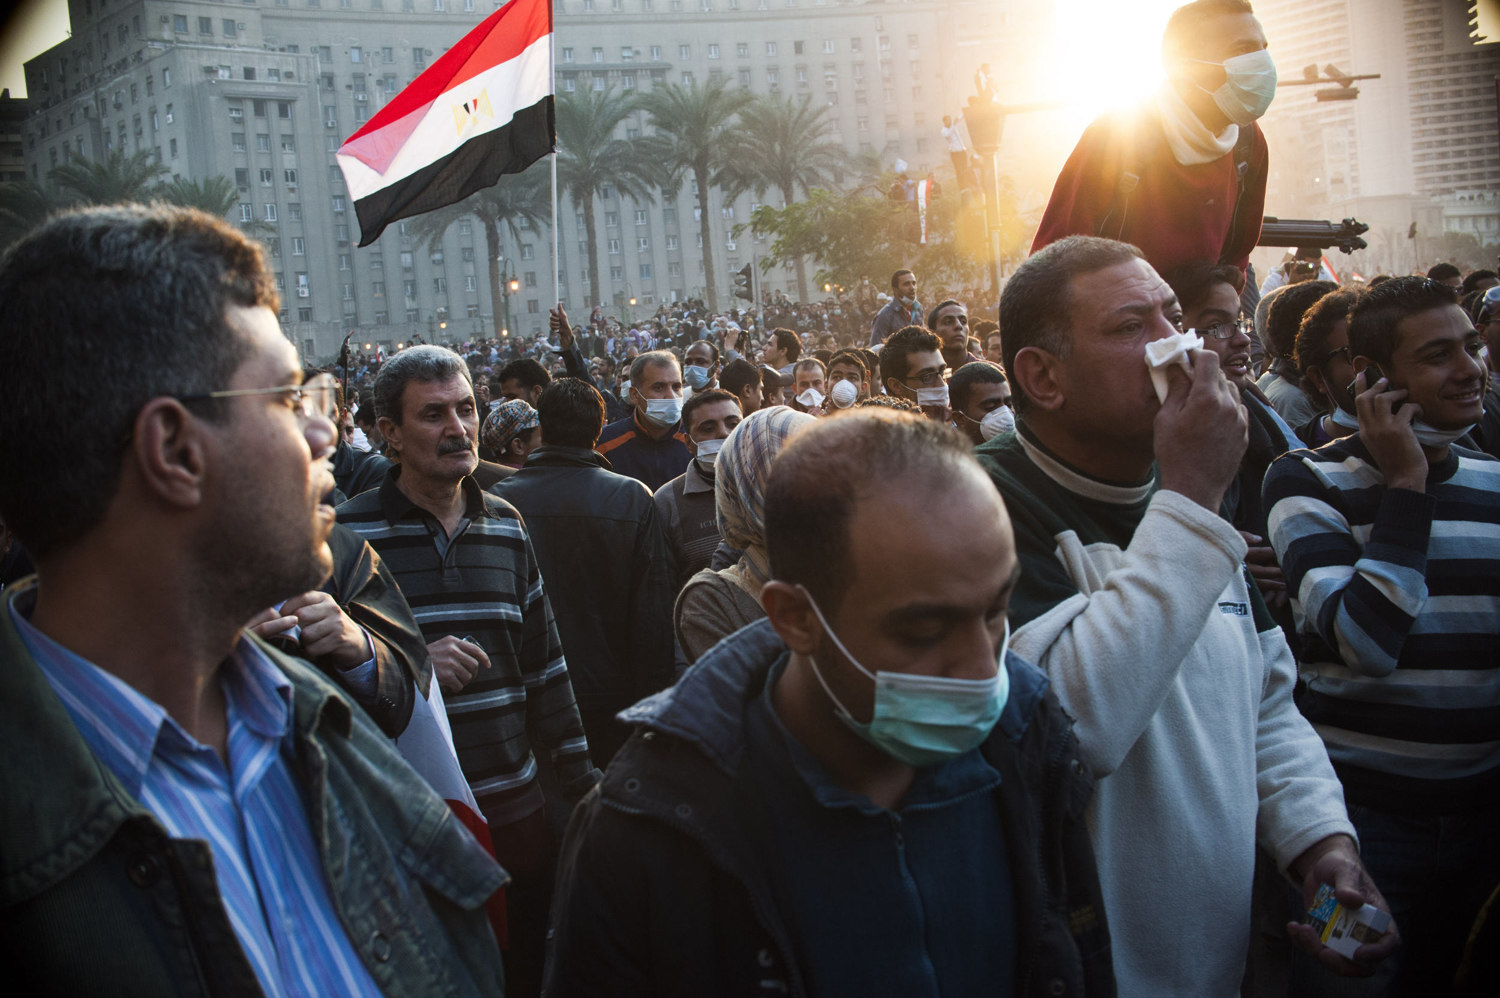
[930, 379]
[1344, 352]
[1225, 330]
[313, 400]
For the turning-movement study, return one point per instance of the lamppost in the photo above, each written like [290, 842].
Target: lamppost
[626, 299]
[508, 284]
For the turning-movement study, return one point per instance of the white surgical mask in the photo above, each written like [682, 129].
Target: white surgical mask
[932, 396]
[663, 413]
[1431, 436]
[812, 398]
[844, 394]
[1248, 88]
[708, 452]
[997, 421]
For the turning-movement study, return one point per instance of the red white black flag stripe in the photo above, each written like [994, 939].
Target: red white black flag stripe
[484, 109]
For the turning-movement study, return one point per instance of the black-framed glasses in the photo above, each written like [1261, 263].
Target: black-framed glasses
[1343, 351]
[313, 400]
[1225, 330]
[929, 378]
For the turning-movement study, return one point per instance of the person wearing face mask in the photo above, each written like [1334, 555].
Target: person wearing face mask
[1386, 536]
[686, 503]
[1184, 176]
[649, 445]
[809, 386]
[700, 366]
[912, 368]
[981, 401]
[868, 790]
[848, 380]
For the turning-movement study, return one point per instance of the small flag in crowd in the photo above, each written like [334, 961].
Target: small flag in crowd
[484, 109]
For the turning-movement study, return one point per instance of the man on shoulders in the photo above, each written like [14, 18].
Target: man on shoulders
[600, 546]
[1134, 599]
[1184, 178]
[850, 835]
[1385, 537]
[181, 799]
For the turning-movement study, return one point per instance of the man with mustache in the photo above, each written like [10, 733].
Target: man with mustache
[465, 564]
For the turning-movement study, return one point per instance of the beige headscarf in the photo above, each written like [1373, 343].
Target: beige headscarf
[740, 474]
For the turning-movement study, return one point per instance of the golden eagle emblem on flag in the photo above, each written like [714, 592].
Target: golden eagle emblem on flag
[466, 115]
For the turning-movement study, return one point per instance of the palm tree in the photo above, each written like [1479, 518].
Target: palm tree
[116, 179]
[589, 157]
[24, 204]
[514, 197]
[783, 143]
[691, 125]
[216, 195]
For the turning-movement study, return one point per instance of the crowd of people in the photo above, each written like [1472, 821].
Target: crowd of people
[1142, 639]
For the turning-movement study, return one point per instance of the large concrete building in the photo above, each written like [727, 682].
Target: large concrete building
[264, 92]
[1417, 146]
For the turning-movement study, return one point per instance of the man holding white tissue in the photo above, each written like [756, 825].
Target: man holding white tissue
[1183, 177]
[1134, 599]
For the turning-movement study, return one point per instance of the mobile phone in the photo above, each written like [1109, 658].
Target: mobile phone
[1372, 373]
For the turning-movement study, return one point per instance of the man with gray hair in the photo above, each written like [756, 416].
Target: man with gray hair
[466, 565]
[649, 445]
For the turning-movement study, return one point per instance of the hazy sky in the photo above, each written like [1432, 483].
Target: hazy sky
[31, 27]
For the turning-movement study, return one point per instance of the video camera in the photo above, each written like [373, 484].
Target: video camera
[1307, 233]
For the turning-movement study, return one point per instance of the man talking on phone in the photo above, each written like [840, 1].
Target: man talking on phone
[1390, 540]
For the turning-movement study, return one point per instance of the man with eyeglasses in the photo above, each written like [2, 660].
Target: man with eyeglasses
[912, 368]
[1134, 599]
[165, 824]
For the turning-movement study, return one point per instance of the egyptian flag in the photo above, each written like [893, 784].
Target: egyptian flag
[484, 109]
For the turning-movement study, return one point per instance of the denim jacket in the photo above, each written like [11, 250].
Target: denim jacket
[95, 898]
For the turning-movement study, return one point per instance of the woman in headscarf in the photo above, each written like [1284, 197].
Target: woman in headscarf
[715, 604]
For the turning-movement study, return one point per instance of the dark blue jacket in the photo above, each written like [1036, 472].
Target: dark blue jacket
[661, 891]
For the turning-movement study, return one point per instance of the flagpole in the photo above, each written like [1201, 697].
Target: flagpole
[552, 72]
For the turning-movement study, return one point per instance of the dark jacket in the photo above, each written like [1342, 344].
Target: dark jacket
[661, 892]
[599, 543]
[96, 899]
[356, 471]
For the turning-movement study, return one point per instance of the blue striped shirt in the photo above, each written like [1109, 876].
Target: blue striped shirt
[250, 813]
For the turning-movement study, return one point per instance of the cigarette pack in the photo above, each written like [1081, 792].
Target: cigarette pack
[1345, 929]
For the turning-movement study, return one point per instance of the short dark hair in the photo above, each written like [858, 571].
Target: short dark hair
[872, 362]
[1186, 27]
[770, 378]
[1191, 282]
[808, 362]
[652, 358]
[896, 278]
[707, 397]
[142, 293]
[424, 362]
[1374, 318]
[1474, 277]
[826, 468]
[852, 357]
[787, 341]
[1311, 349]
[708, 343]
[738, 375]
[902, 344]
[571, 412]
[932, 313]
[984, 327]
[365, 415]
[528, 372]
[975, 372]
[1284, 314]
[1443, 272]
[1037, 303]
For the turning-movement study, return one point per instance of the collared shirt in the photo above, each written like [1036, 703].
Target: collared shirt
[912, 901]
[250, 811]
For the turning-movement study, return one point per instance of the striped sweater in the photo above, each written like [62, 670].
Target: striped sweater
[1397, 595]
[486, 586]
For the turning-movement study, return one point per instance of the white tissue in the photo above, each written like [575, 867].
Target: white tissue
[1173, 349]
[812, 398]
